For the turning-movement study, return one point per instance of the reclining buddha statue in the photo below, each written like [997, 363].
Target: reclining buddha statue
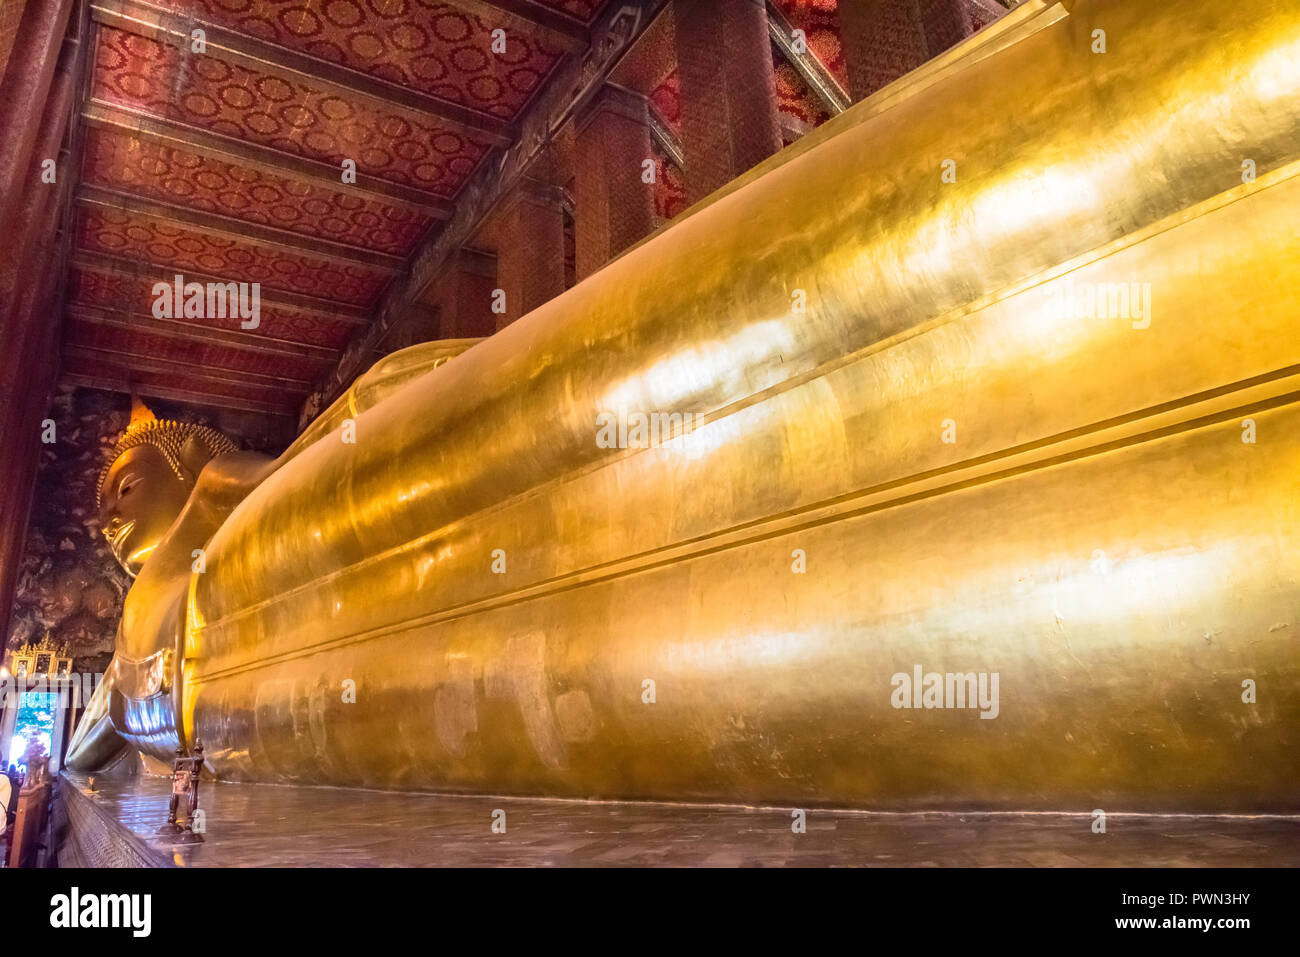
[969, 478]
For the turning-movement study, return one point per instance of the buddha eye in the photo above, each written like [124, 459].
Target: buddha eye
[125, 488]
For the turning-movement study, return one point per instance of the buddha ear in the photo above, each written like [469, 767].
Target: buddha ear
[194, 455]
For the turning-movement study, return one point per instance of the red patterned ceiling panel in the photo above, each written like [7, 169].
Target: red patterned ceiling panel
[300, 117]
[126, 293]
[118, 161]
[134, 236]
[192, 352]
[436, 48]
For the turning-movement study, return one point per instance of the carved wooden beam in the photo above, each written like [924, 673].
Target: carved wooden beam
[192, 396]
[84, 36]
[132, 320]
[559, 29]
[227, 227]
[664, 136]
[169, 133]
[188, 372]
[233, 47]
[281, 390]
[353, 315]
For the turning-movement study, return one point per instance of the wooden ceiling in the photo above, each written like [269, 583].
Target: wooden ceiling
[226, 165]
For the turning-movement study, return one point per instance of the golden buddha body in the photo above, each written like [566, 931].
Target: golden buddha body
[986, 497]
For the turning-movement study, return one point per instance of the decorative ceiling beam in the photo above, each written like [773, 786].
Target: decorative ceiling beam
[822, 81]
[342, 312]
[169, 133]
[238, 48]
[84, 36]
[667, 140]
[192, 396]
[227, 227]
[187, 371]
[570, 86]
[137, 320]
[559, 29]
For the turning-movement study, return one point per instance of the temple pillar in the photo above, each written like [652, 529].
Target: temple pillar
[68, 705]
[463, 296]
[945, 24]
[8, 722]
[29, 319]
[26, 393]
[24, 91]
[36, 206]
[416, 322]
[613, 206]
[11, 15]
[886, 39]
[729, 116]
[530, 249]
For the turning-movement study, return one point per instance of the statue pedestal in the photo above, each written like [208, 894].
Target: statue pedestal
[290, 826]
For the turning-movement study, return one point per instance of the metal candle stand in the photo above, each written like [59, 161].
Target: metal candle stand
[185, 783]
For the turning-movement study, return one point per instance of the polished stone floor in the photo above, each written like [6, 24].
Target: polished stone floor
[252, 825]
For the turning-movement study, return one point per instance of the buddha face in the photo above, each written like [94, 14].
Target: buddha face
[140, 499]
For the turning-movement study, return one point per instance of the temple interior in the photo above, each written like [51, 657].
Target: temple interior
[338, 285]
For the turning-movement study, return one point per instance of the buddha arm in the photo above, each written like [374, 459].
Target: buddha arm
[95, 744]
[135, 704]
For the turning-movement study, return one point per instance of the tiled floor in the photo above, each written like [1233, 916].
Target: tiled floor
[251, 825]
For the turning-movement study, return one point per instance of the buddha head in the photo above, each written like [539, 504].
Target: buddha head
[148, 480]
